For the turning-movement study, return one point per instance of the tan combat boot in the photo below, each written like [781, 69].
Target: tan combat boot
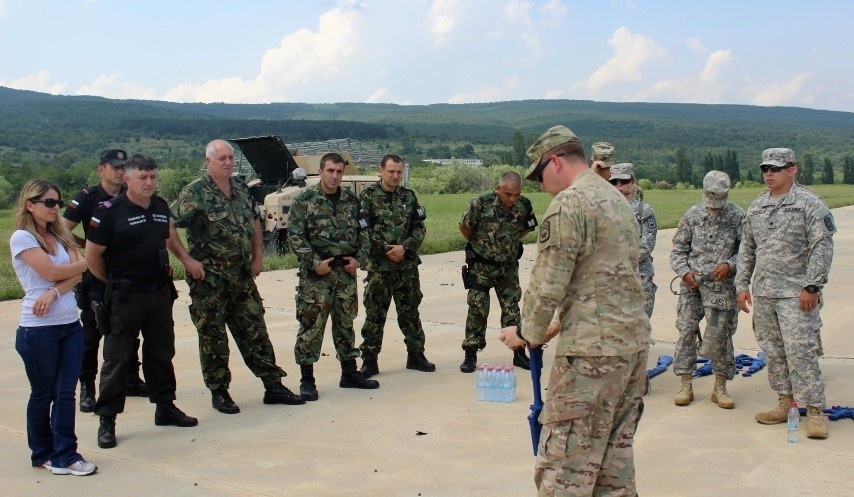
[780, 413]
[686, 392]
[816, 426]
[719, 395]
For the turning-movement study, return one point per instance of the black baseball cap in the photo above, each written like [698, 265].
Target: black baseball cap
[115, 157]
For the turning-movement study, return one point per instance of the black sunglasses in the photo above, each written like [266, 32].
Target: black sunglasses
[774, 169]
[538, 172]
[619, 182]
[50, 203]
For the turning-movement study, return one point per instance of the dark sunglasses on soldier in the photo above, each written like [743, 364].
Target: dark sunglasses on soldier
[774, 169]
[50, 203]
[620, 182]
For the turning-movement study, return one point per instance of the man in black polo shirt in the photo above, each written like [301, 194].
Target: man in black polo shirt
[111, 170]
[126, 249]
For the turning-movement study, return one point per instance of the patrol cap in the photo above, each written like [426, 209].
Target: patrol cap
[603, 151]
[553, 137]
[778, 157]
[114, 157]
[716, 186]
[623, 170]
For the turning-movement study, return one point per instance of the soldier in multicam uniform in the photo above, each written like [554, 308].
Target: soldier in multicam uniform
[329, 238]
[226, 254]
[623, 178]
[586, 268]
[396, 231]
[787, 243]
[705, 248]
[494, 225]
[601, 159]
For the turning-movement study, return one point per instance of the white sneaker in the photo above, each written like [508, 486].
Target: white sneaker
[79, 468]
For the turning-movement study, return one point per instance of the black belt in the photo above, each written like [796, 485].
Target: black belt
[133, 286]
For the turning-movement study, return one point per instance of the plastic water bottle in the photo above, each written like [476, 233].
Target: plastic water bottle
[504, 381]
[481, 383]
[512, 383]
[491, 384]
[794, 422]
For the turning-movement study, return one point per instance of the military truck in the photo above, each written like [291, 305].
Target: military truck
[275, 177]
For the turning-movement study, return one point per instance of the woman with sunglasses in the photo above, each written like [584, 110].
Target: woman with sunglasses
[50, 337]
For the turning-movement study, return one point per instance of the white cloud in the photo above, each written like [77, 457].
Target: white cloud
[36, 82]
[696, 45]
[708, 86]
[112, 86]
[631, 52]
[716, 62]
[789, 92]
[518, 11]
[443, 20]
[3, 10]
[553, 12]
[489, 94]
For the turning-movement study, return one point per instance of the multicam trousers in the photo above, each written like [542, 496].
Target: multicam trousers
[380, 288]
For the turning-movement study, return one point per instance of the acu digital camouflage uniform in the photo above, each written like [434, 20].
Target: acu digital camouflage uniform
[703, 241]
[495, 241]
[587, 269]
[787, 245]
[395, 218]
[321, 226]
[219, 235]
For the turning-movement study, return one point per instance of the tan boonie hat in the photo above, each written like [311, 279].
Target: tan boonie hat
[556, 135]
[623, 170]
[603, 151]
[778, 157]
[716, 186]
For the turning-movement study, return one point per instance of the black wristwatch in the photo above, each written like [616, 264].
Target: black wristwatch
[811, 289]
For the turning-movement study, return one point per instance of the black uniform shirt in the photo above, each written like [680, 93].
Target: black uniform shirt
[81, 208]
[135, 238]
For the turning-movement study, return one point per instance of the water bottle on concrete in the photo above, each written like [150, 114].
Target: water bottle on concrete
[490, 384]
[794, 422]
[511, 372]
[481, 382]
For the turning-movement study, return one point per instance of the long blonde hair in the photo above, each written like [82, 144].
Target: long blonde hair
[24, 220]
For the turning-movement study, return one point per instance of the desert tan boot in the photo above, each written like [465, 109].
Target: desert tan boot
[719, 395]
[816, 425]
[780, 413]
[686, 392]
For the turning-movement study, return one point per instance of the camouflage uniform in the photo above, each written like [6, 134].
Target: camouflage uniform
[395, 218]
[787, 244]
[495, 240]
[648, 231]
[587, 268]
[702, 241]
[321, 226]
[219, 235]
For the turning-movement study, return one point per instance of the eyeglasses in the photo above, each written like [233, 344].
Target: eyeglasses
[538, 172]
[619, 182]
[50, 203]
[774, 169]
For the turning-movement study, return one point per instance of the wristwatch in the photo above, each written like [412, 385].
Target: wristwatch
[811, 288]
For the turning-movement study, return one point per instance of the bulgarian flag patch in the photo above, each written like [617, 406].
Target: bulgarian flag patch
[73, 204]
[94, 222]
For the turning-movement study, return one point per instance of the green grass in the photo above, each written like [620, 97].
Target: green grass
[443, 217]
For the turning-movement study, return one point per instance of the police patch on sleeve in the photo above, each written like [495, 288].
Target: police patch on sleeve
[545, 231]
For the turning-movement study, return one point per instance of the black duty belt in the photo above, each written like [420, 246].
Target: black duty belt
[133, 286]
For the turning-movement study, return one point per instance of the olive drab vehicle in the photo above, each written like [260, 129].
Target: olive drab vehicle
[276, 177]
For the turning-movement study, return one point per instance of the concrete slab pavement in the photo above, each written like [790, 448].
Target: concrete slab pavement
[424, 433]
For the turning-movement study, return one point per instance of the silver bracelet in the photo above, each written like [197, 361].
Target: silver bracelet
[55, 292]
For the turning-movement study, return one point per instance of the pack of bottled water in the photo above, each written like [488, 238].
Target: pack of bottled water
[496, 383]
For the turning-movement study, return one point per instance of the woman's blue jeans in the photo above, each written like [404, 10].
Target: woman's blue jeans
[52, 358]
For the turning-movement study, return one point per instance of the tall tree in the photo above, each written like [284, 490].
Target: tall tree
[732, 167]
[827, 172]
[806, 170]
[683, 167]
[848, 170]
[518, 148]
[708, 162]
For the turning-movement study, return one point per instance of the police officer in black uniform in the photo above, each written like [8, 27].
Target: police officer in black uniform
[126, 249]
[79, 210]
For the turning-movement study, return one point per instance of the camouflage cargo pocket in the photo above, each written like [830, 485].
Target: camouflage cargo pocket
[567, 422]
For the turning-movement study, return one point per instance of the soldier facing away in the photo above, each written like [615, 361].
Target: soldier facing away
[787, 248]
[494, 225]
[396, 231]
[705, 249]
[225, 255]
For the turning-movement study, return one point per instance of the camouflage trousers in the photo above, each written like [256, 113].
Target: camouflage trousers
[381, 287]
[789, 337]
[505, 280]
[220, 301]
[317, 297]
[589, 420]
[649, 289]
[717, 340]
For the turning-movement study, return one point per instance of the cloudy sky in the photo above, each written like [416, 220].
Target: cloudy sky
[758, 52]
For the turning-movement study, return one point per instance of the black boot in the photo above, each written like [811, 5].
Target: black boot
[87, 396]
[107, 432]
[369, 368]
[416, 360]
[520, 359]
[276, 393]
[136, 387]
[470, 362]
[167, 413]
[222, 402]
[307, 387]
[350, 378]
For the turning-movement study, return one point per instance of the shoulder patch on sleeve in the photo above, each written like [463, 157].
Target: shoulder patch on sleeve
[651, 224]
[545, 231]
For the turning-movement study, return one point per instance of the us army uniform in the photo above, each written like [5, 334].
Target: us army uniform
[586, 268]
[395, 218]
[219, 235]
[321, 226]
[787, 247]
[493, 262]
[645, 215]
[708, 235]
